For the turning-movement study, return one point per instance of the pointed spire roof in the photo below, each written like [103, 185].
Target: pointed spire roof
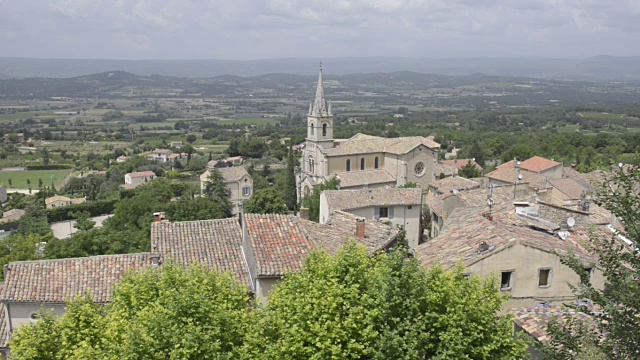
[320, 106]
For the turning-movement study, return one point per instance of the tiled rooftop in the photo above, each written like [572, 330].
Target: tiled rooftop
[363, 144]
[4, 327]
[509, 175]
[216, 243]
[460, 163]
[362, 198]
[445, 169]
[60, 280]
[366, 177]
[534, 321]
[448, 185]
[467, 228]
[279, 243]
[140, 174]
[569, 187]
[341, 226]
[538, 164]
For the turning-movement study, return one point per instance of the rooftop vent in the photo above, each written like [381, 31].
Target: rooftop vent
[483, 247]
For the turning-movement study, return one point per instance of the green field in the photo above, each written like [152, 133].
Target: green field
[25, 115]
[601, 115]
[19, 178]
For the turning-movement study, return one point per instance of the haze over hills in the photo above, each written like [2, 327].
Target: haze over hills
[599, 68]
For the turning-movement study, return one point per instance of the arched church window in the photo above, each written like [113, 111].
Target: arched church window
[311, 164]
[324, 130]
[311, 128]
[362, 164]
[376, 162]
[348, 165]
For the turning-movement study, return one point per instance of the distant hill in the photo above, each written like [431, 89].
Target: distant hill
[599, 68]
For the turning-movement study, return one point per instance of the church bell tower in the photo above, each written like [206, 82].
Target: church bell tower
[319, 118]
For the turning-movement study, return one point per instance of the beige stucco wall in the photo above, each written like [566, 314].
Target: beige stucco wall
[137, 180]
[339, 163]
[21, 313]
[420, 154]
[57, 204]
[526, 262]
[264, 287]
[235, 188]
[553, 173]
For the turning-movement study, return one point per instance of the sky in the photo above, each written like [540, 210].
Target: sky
[252, 29]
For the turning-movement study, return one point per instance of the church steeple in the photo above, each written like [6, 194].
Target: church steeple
[320, 106]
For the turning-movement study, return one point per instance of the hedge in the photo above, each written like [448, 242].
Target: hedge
[10, 225]
[95, 208]
[49, 167]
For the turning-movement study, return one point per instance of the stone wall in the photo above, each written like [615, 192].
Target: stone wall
[559, 215]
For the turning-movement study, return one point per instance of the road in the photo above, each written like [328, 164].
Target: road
[64, 229]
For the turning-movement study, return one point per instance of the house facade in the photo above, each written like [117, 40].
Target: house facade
[362, 161]
[140, 177]
[160, 155]
[401, 207]
[60, 201]
[238, 182]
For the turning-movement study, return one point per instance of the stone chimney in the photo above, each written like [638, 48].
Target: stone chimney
[304, 213]
[360, 228]
[159, 216]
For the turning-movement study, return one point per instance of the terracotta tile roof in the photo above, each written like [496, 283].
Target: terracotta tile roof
[230, 174]
[365, 144]
[569, 187]
[460, 163]
[599, 215]
[279, 243]
[364, 177]
[509, 175]
[435, 203]
[56, 198]
[466, 229]
[457, 183]
[538, 164]
[534, 321]
[362, 198]
[4, 327]
[163, 151]
[56, 281]
[140, 174]
[499, 194]
[217, 243]
[582, 179]
[445, 169]
[508, 165]
[341, 226]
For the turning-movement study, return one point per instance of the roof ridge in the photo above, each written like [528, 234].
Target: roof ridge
[76, 258]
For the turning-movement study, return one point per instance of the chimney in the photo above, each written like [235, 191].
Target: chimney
[483, 247]
[360, 228]
[304, 213]
[159, 216]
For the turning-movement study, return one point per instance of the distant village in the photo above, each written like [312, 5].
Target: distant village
[514, 223]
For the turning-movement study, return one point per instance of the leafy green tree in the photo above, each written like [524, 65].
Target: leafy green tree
[476, 152]
[355, 306]
[291, 198]
[234, 147]
[19, 247]
[10, 182]
[83, 220]
[34, 222]
[188, 209]
[265, 201]
[37, 341]
[620, 266]
[191, 138]
[312, 201]
[45, 156]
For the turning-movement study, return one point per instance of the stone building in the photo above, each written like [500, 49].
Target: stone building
[362, 161]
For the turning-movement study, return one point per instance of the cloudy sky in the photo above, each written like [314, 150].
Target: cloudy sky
[253, 29]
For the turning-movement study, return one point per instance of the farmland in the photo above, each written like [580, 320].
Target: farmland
[19, 178]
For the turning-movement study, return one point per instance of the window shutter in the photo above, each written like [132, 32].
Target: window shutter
[377, 213]
[391, 212]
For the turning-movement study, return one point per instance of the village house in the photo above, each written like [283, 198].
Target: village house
[237, 180]
[12, 215]
[362, 161]
[458, 164]
[60, 201]
[122, 159]
[176, 144]
[27, 150]
[140, 177]
[522, 244]
[160, 155]
[401, 207]
[30, 287]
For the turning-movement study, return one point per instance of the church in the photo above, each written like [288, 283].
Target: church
[362, 161]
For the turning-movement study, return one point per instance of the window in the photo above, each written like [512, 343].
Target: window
[311, 128]
[311, 165]
[383, 212]
[362, 164]
[246, 191]
[506, 280]
[324, 129]
[376, 162]
[348, 165]
[544, 277]
[543, 305]
[419, 169]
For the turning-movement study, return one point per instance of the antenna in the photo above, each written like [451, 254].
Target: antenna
[571, 222]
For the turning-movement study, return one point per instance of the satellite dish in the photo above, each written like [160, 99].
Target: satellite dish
[571, 222]
[519, 176]
[620, 165]
[490, 202]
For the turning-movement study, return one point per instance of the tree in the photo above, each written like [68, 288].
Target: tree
[45, 156]
[10, 182]
[291, 198]
[234, 147]
[167, 313]
[469, 171]
[191, 138]
[265, 201]
[216, 190]
[620, 266]
[357, 306]
[18, 247]
[83, 220]
[312, 201]
[477, 153]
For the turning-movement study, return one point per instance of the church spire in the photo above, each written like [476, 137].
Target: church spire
[320, 106]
